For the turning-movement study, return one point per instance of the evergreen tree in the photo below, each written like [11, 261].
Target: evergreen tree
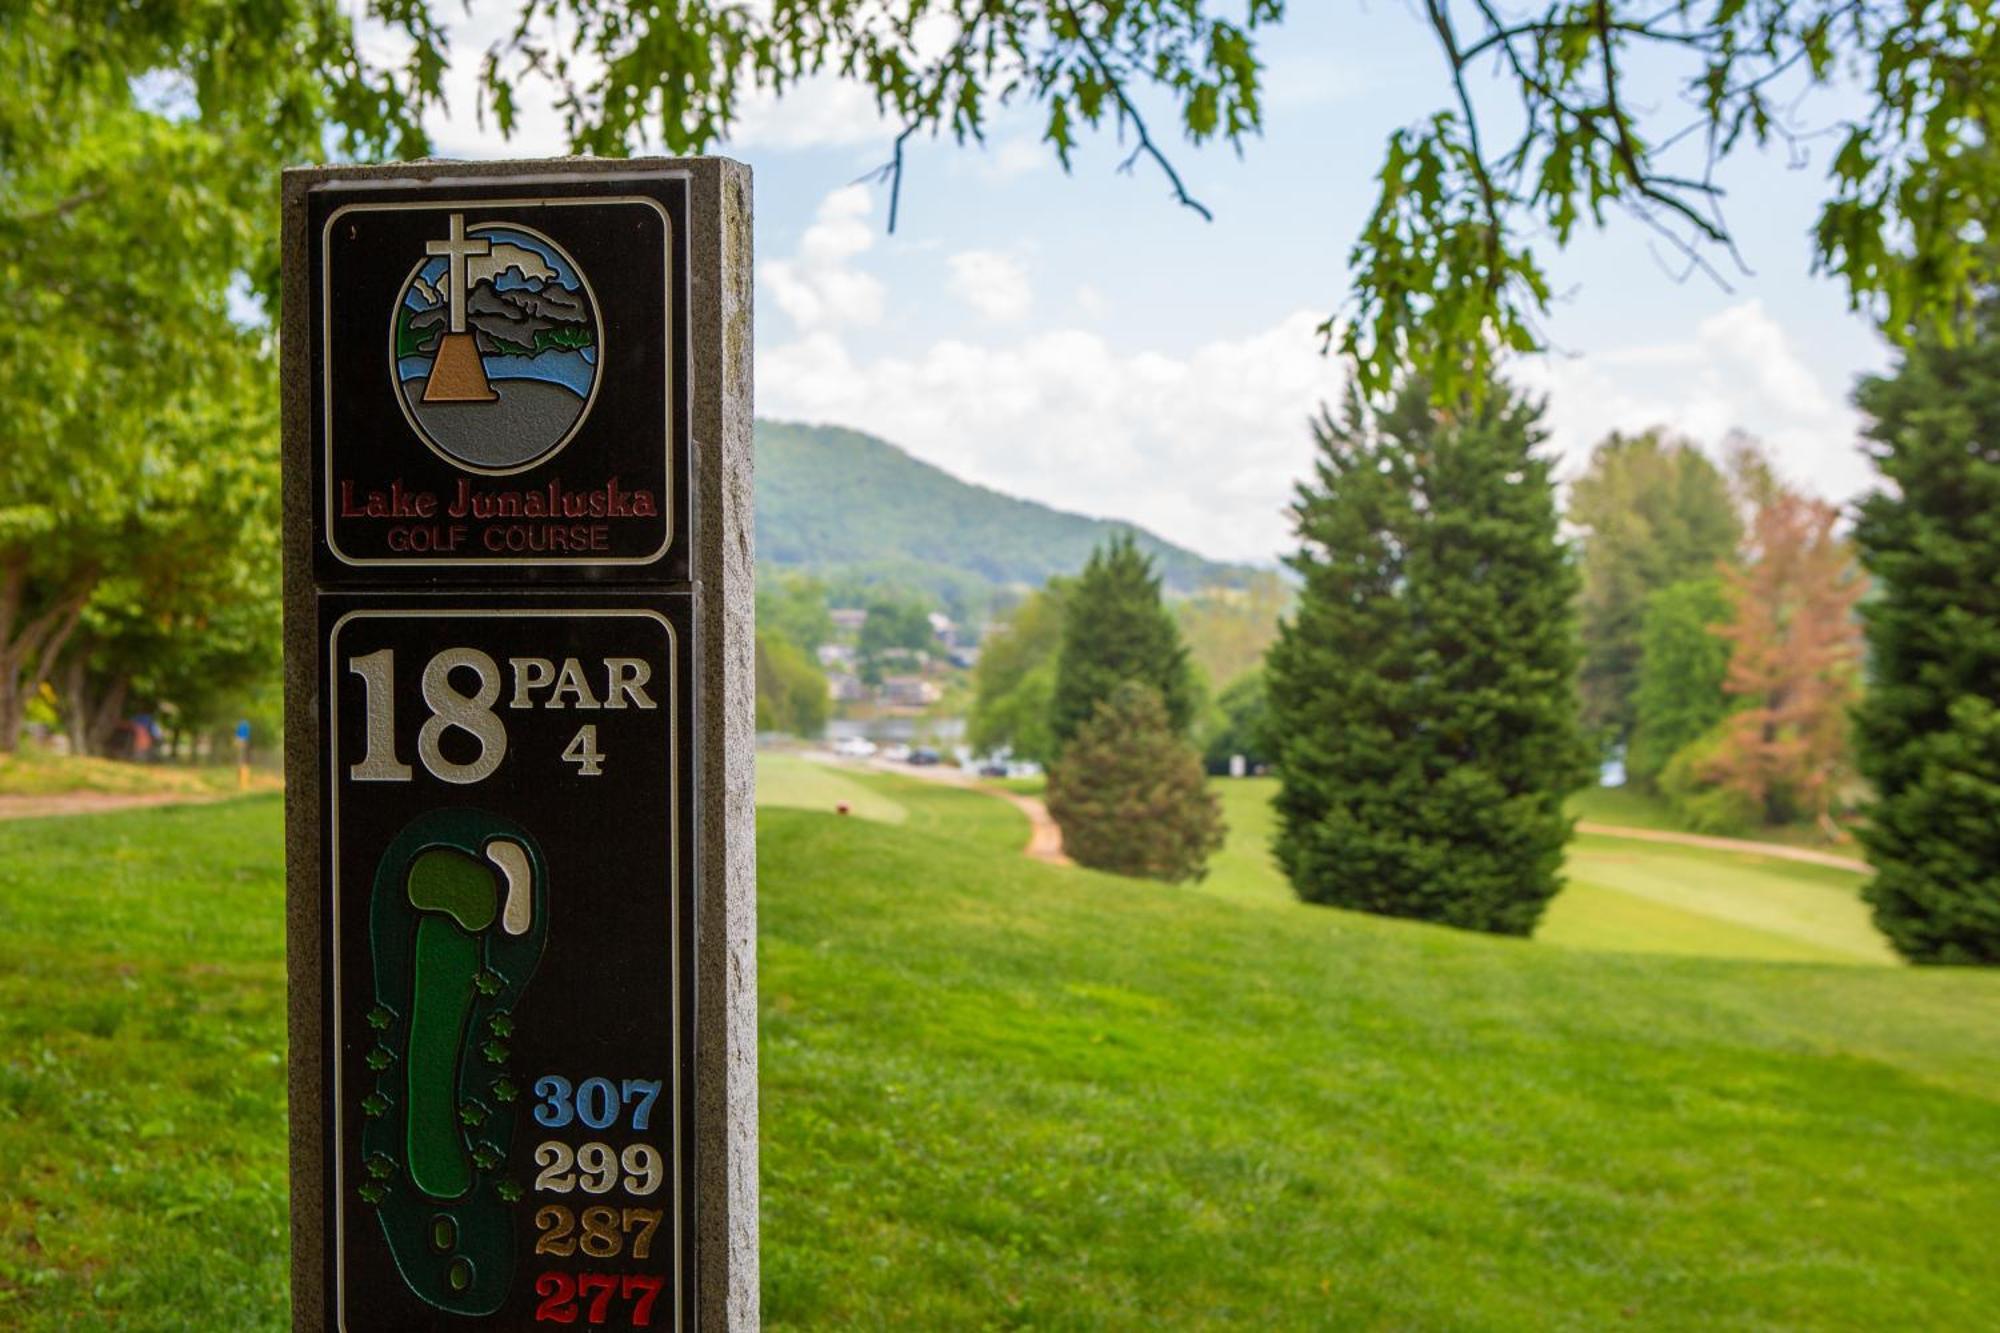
[1929, 731]
[1654, 512]
[1130, 795]
[1683, 666]
[1115, 630]
[1423, 696]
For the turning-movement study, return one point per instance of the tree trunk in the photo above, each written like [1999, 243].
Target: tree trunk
[29, 645]
[110, 711]
[76, 703]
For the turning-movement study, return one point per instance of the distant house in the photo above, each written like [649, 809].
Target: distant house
[845, 688]
[848, 619]
[909, 692]
[832, 655]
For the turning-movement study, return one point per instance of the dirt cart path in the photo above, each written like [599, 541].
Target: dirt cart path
[1776, 850]
[95, 802]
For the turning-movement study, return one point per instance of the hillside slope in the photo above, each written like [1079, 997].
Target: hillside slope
[838, 502]
[998, 1094]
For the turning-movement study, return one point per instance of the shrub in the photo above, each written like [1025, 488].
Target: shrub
[1131, 796]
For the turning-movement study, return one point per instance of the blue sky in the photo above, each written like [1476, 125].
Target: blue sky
[1083, 341]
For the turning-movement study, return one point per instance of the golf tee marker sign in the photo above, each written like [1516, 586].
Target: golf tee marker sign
[519, 845]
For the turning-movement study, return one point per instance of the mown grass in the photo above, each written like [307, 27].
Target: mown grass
[142, 1070]
[1028, 1097]
[1623, 894]
[999, 1094]
[805, 784]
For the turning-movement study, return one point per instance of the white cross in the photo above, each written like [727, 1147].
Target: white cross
[456, 250]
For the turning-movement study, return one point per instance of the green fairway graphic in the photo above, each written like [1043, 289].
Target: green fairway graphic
[456, 925]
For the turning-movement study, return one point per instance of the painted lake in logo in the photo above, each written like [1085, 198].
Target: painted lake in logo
[496, 346]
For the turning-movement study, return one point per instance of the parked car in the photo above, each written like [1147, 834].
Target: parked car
[923, 756]
[897, 754]
[854, 747]
[993, 768]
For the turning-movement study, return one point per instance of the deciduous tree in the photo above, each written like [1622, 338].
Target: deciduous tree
[791, 690]
[1538, 131]
[1681, 692]
[1794, 662]
[1652, 511]
[1423, 694]
[1015, 679]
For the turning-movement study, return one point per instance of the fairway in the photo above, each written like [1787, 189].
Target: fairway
[1623, 895]
[804, 784]
[1002, 1094]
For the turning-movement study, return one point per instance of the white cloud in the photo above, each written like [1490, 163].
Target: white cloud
[819, 112]
[1740, 371]
[1202, 448]
[993, 284]
[821, 288]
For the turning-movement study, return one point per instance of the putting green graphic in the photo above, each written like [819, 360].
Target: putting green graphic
[456, 926]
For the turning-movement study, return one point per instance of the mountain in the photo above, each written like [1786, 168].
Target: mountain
[849, 507]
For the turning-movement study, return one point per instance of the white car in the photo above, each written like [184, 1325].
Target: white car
[854, 747]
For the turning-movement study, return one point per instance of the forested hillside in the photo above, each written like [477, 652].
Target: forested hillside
[847, 505]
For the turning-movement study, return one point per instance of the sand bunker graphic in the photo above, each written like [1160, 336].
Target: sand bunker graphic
[456, 925]
[496, 345]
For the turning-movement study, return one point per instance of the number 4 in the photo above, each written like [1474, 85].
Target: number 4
[582, 751]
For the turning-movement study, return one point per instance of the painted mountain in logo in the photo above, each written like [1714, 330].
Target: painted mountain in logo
[513, 380]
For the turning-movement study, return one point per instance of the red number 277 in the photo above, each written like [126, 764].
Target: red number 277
[560, 1294]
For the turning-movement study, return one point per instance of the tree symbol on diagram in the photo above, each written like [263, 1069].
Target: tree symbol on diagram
[456, 926]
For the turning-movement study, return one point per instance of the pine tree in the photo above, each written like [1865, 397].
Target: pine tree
[1795, 650]
[1130, 794]
[1116, 630]
[1683, 667]
[1423, 695]
[1928, 733]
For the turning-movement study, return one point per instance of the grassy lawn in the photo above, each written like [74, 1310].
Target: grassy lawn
[32, 773]
[1624, 895]
[802, 784]
[999, 1094]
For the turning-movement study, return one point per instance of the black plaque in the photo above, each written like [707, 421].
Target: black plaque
[509, 1006]
[500, 380]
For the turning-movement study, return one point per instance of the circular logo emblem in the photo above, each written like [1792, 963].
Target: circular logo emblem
[496, 346]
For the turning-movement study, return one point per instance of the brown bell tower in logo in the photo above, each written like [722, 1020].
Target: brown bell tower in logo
[457, 373]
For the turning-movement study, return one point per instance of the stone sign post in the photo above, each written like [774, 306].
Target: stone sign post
[519, 711]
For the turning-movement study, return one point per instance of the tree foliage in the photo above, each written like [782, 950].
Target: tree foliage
[1015, 679]
[1130, 794]
[1244, 709]
[1653, 511]
[1229, 627]
[1116, 631]
[1422, 696]
[895, 625]
[1551, 117]
[1929, 731]
[137, 419]
[793, 607]
[1794, 661]
[791, 690]
[1681, 693]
